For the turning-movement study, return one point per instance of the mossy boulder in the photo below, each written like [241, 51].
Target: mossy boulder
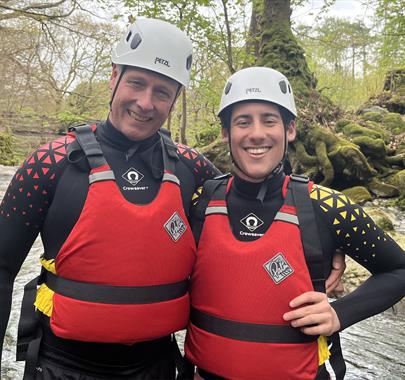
[353, 129]
[341, 123]
[371, 147]
[394, 122]
[358, 194]
[381, 189]
[373, 116]
[398, 180]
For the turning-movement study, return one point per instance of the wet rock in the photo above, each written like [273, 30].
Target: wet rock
[358, 194]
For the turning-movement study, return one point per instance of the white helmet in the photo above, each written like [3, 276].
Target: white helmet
[157, 46]
[258, 83]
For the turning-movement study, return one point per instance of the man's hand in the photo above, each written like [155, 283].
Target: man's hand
[313, 314]
[335, 276]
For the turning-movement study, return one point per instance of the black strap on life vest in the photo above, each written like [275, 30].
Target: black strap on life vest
[309, 230]
[116, 295]
[249, 332]
[89, 145]
[208, 191]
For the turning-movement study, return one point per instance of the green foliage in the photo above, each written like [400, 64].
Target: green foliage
[206, 135]
[7, 156]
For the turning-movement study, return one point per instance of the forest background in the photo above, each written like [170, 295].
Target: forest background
[55, 65]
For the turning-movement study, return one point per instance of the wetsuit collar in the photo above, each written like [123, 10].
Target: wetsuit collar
[110, 135]
[251, 189]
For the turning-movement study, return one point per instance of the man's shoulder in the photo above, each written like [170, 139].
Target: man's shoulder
[199, 165]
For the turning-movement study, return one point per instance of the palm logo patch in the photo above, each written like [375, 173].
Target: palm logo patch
[251, 222]
[278, 268]
[175, 227]
[132, 176]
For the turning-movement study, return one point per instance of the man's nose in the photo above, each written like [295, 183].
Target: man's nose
[145, 100]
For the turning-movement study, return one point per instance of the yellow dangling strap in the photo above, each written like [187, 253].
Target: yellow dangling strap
[49, 265]
[44, 300]
[323, 349]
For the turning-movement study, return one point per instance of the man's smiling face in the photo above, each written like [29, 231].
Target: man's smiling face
[142, 101]
[257, 139]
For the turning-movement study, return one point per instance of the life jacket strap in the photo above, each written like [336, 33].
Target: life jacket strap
[91, 148]
[116, 295]
[298, 186]
[249, 332]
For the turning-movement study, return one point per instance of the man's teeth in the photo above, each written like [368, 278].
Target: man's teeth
[257, 150]
[138, 117]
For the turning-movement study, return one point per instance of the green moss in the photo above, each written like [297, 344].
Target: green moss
[353, 129]
[324, 163]
[394, 122]
[340, 124]
[302, 156]
[398, 180]
[358, 194]
[377, 127]
[371, 147]
[373, 116]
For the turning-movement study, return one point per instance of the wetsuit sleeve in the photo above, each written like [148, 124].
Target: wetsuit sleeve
[199, 165]
[356, 234]
[22, 214]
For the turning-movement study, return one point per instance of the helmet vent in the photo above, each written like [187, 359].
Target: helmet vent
[136, 41]
[283, 86]
[128, 36]
[189, 62]
[289, 89]
[227, 88]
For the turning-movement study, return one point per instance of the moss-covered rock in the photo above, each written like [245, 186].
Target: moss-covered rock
[353, 129]
[394, 122]
[381, 189]
[371, 147]
[358, 194]
[341, 123]
[373, 116]
[398, 180]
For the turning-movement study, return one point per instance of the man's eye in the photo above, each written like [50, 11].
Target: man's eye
[242, 123]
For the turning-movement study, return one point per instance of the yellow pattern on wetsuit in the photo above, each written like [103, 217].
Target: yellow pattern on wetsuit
[354, 229]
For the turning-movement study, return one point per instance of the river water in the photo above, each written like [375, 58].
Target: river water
[373, 349]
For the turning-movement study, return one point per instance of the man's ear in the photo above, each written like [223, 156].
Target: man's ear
[292, 131]
[113, 78]
[225, 135]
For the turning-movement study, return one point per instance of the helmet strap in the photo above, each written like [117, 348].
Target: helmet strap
[123, 69]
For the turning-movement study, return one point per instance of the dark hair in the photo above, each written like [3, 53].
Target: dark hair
[225, 116]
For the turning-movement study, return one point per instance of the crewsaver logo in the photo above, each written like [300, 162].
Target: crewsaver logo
[251, 222]
[133, 176]
[175, 227]
[278, 268]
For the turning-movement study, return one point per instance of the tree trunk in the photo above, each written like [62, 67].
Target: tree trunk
[279, 48]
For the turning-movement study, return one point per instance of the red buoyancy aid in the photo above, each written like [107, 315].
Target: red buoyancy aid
[122, 272]
[239, 293]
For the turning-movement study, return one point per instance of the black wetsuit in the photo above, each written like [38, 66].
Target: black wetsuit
[342, 225]
[34, 204]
